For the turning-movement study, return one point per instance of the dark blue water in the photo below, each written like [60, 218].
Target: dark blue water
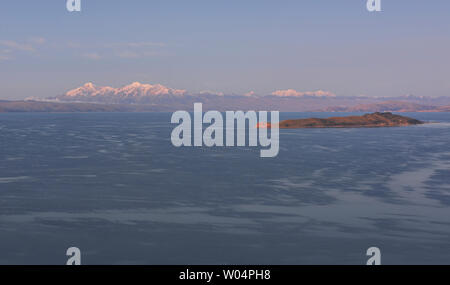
[114, 186]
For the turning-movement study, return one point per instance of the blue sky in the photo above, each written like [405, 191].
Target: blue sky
[227, 46]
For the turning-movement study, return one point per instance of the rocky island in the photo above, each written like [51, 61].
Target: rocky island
[366, 121]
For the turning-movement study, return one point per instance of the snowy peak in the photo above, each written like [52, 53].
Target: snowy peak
[89, 85]
[84, 90]
[135, 89]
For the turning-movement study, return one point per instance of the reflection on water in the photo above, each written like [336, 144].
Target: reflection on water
[114, 186]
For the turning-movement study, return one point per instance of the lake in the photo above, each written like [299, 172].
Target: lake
[113, 185]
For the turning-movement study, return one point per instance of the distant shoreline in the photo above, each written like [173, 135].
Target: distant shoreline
[80, 107]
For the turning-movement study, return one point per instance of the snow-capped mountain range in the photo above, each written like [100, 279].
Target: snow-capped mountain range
[160, 97]
[157, 94]
[137, 92]
[132, 93]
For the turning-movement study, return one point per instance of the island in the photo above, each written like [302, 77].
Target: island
[366, 121]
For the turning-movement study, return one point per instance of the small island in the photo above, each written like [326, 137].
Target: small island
[374, 120]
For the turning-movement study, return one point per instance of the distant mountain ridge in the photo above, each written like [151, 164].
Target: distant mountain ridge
[389, 106]
[137, 97]
[165, 97]
[53, 107]
[137, 92]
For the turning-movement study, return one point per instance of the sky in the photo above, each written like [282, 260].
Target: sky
[232, 46]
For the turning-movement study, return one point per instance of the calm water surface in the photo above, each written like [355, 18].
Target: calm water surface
[113, 185]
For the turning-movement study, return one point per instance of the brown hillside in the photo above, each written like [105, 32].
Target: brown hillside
[366, 121]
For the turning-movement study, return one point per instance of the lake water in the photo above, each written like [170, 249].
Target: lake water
[113, 185]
